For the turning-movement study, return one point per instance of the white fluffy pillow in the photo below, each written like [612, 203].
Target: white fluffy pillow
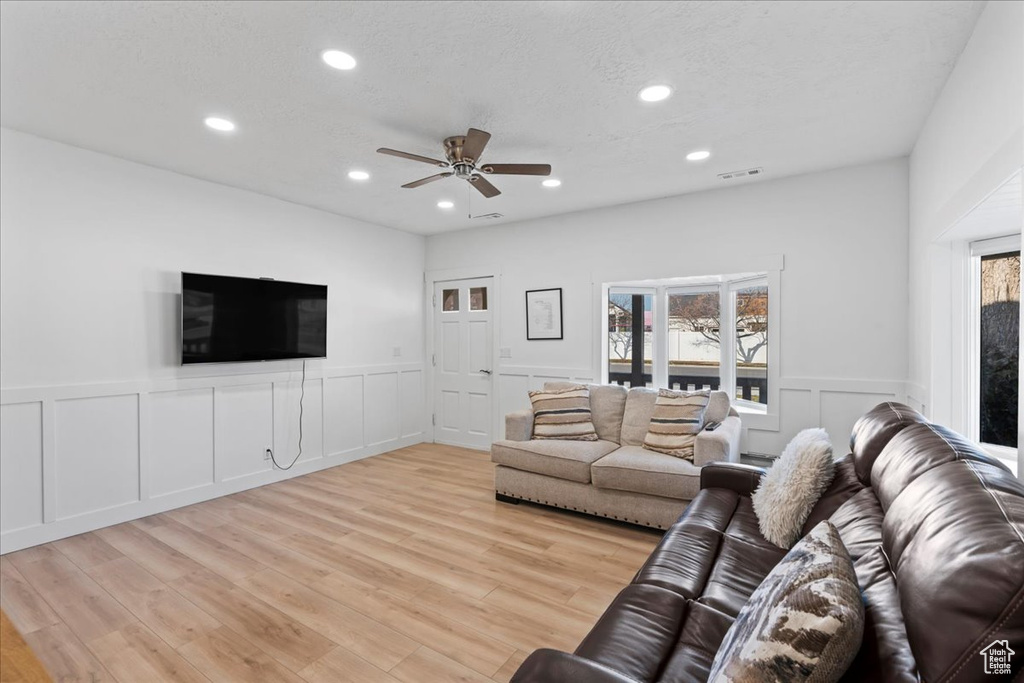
[792, 486]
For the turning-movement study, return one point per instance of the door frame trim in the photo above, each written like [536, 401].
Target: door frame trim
[430, 280]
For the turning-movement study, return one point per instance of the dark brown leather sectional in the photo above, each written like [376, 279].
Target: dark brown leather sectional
[935, 527]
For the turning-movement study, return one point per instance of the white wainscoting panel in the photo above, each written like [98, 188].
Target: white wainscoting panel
[343, 413]
[286, 421]
[97, 453]
[21, 476]
[381, 422]
[243, 429]
[839, 410]
[79, 457]
[410, 399]
[180, 440]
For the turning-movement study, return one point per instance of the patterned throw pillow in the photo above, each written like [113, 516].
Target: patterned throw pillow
[563, 414]
[678, 418]
[804, 622]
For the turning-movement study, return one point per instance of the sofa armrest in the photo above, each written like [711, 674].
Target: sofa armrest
[742, 479]
[721, 445]
[552, 666]
[519, 425]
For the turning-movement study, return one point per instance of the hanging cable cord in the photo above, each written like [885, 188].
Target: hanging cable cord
[302, 395]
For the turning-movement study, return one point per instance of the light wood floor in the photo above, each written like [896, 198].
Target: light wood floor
[400, 567]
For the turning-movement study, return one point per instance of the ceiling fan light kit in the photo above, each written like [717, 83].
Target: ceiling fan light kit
[462, 154]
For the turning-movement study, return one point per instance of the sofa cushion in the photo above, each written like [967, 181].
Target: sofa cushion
[556, 458]
[631, 468]
[607, 403]
[844, 486]
[804, 622]
[637, 631]
[636, 416]
[702, 634]
[563, 414]
[859, 522]
[873, 431]
[677, 420]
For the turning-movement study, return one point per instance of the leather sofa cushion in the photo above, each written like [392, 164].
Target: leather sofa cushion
[859, 522]
[844, 486]
[636, 417]
[556, 458]
[637, 632]
[632, 468]
[955, 542]
[682, 561]
[607, 404]
[873, 431]
[703, 632]
[885, 654]
[739, 569]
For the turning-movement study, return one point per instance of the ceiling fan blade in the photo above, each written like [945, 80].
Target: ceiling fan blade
[412, 157]
[474, 145]
[484, 187]
[429, 179]
[517, 169]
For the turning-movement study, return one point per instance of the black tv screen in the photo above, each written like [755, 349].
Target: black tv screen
[237, 319]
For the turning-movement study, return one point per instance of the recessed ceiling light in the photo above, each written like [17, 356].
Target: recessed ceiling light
[551, 182]
[445, 204]
[358, 175]
[698, 156]
[339, 60]
[655, 93]
[217, 123]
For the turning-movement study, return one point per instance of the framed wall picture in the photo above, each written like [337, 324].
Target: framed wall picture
[543, 314]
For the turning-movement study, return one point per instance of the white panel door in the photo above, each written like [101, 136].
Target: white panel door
[463, 349]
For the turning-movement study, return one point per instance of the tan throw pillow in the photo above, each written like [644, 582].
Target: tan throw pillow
[792, 486]
[805, 622]
[563, 414]
[678, 418]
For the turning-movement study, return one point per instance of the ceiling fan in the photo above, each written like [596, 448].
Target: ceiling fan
[463, 159]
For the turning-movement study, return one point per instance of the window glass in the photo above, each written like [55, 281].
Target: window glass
[694, 346]
[630, 338]
[999, 348]
[478, 298]
[450, 300]
[752, 344]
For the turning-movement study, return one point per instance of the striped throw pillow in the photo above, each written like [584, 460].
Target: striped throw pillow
[678, 418]
[563, 414]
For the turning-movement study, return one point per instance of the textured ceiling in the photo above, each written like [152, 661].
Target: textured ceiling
[790, 86]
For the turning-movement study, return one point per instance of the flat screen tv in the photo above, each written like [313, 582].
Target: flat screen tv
[236, 319]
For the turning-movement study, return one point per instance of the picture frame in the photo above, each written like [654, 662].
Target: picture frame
[544, 314]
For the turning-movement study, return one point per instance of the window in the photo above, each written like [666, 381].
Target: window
[698, 333]
[995, 343]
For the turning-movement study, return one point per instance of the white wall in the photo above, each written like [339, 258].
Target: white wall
[972, 141]
[99, 421]
[843, 237]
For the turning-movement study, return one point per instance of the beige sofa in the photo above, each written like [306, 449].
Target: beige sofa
[615, 476]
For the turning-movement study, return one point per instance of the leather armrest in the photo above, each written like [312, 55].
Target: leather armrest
[552, 666]
[519, 425]
[742, 479]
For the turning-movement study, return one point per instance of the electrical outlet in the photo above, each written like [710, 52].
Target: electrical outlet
[266, 455]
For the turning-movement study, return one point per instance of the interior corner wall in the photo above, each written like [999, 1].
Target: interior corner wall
[971, 143]
[99, 423]
[843, 298]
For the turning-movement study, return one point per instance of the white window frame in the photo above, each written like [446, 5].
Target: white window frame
[727, 286]
[977, 250]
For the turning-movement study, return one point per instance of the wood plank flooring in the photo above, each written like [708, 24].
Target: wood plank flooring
[396, 568]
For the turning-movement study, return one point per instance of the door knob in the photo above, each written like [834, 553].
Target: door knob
[486, 372]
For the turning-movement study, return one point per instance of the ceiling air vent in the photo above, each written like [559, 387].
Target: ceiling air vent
[490, 216]
[731, 175]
